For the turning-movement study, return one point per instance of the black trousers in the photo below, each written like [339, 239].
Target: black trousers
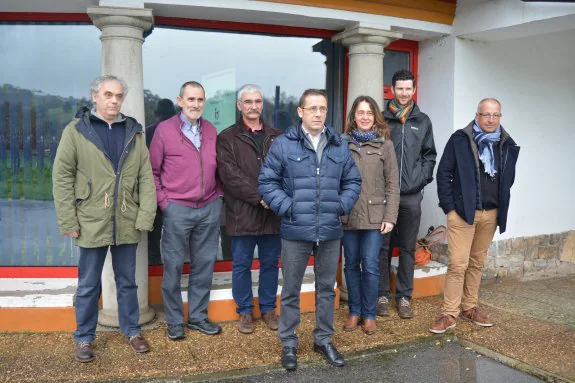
[404, 236]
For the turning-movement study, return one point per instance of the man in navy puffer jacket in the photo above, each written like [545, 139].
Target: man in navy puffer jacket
[309, 179]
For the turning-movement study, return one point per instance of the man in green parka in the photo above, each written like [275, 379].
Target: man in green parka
[105, 196]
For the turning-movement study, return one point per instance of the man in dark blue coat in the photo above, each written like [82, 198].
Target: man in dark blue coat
[309, 179]
[474, 180]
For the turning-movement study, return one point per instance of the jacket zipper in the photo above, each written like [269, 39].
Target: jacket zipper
[502, 163]
[255, 145]
[401, 162]
[317, 202]
[201, 170]
[117, 183]
[198, 151]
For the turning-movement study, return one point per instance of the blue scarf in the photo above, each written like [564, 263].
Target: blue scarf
[358, 137]
[485, 143]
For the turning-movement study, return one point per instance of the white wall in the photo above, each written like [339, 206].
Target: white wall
[435, 97]
[504, 19]
[534, 79]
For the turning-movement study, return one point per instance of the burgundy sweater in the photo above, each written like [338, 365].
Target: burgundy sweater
[183, 174]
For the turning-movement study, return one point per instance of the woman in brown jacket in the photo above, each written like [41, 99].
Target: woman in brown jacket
[375, 212]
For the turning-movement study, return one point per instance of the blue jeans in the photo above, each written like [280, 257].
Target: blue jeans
[90, 267]
[269, 248]
[361, 253]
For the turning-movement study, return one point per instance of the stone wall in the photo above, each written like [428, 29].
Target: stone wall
[525, 257]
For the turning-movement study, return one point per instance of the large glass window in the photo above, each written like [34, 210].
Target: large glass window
[224, 61]
[44, 77]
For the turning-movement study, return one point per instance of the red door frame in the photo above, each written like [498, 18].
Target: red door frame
[412, 47]
[82, 18]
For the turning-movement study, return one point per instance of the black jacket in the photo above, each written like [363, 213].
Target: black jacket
[414, 148]
[458, 175]
[239, 163]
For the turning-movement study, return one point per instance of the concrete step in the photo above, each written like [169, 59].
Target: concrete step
[24, 300]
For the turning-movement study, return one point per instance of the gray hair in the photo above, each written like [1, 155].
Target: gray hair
[193, 84]
[487, 100]
[249, 88]
[96, 85]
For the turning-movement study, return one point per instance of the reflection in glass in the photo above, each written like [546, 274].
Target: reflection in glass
[41, 88]
[43, 85]
[223, 62]
[392, 62]
[282, 66]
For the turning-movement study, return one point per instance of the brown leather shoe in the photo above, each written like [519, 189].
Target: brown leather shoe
[138, 344]
[369, 326]
[404, 309]
[246, 324]
[84, 352]
[477, 317]
[442, 324]
[351, 323]
[271, 319]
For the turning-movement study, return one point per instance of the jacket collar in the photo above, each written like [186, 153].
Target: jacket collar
[240, 127]
[375, 142]
[84, 126]
[119, 118]
[388, 114]
[468, 130]
[295, 132]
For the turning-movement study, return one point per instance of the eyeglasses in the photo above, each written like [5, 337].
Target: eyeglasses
[259, 101]
[363, 113]
[488, 116]
[316, 109]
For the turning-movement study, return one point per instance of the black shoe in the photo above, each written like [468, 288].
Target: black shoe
[330, 354]
[289, 358]
[205, 326]
[84, 352]
[176, 332]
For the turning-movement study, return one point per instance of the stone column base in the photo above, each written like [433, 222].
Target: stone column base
[108, 317]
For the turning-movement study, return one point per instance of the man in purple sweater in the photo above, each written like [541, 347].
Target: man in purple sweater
[183, 156]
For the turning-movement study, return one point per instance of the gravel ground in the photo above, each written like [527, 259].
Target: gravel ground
[49, 357]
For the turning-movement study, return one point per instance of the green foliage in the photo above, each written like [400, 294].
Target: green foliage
[150, 102]
[37, 119]
[33, 184]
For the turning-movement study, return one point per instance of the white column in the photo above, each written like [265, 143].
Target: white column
[365, 52]
[122, 39]
[365, 72]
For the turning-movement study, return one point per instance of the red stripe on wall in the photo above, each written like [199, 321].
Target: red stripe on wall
[53, 17]
[39, 272]
[72, 271]
[243, 27]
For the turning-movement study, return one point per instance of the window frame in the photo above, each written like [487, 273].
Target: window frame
[411, 47]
